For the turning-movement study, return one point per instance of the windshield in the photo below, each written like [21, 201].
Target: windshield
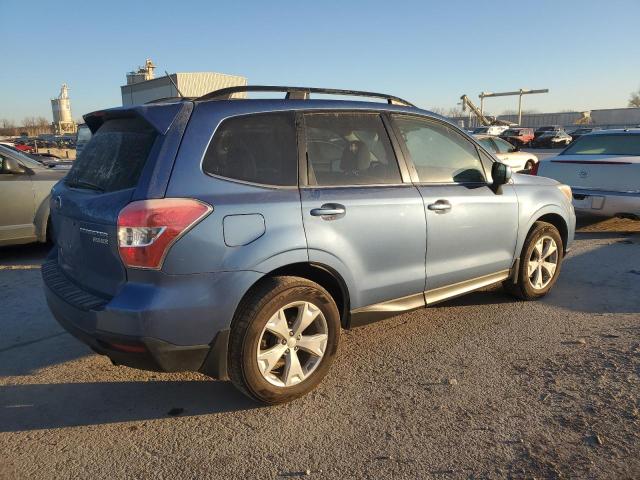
[512, 132]
[114, 157]
[481, 130]
[605, 145]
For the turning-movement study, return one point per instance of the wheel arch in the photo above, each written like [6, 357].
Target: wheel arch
[557, 221]
[326, 277]
[41, 219]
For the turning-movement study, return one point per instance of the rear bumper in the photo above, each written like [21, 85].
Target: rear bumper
[606, 203]
[182, 324]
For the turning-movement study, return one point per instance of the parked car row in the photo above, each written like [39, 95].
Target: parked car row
[552, 136]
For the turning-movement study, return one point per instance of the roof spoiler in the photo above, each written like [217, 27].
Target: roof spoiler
[298, 93]
[159, 116]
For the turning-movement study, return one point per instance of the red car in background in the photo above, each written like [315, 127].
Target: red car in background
[23, 148]
[518, 137]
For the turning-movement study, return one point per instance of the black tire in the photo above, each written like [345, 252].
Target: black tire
[523, 289]
[253, 313]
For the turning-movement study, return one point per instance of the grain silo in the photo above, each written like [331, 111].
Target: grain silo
[61, 107]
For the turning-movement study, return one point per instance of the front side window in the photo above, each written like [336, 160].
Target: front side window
[349, 149]
[258, 148]
[439, 153]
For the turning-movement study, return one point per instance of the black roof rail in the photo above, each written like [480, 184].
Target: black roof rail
[298, 93]
[170, 99]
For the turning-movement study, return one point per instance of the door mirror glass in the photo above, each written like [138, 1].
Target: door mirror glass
[10, 166]
[500, 173]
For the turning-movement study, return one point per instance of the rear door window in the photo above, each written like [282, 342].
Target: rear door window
[349, 149]
[257, 148]
[114, 157]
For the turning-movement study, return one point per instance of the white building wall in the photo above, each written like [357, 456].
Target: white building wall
[191, 84]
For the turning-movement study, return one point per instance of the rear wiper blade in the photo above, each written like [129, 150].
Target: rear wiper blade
[84, 184]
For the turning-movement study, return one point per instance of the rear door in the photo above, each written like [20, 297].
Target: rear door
[471, 230]
[360, 215]
[85, 206]
[17, 206]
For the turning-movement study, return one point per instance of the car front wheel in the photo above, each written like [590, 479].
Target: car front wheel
[283, 339]
[540, 263]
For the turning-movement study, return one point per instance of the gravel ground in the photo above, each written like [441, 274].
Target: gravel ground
[479, 387]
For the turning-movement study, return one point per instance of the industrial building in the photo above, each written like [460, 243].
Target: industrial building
[61, 107]
[142, 85]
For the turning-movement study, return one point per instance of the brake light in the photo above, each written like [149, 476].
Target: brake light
[148, 228]
[534, 169]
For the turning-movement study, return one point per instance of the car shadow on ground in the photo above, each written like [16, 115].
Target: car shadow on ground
[45, 406]
[27, 255]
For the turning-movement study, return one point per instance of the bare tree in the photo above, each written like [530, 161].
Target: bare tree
[634, 100]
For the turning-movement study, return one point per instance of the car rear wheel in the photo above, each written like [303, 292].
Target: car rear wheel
[283, 339]
[540, 263]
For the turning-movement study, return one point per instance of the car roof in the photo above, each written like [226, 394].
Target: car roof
[615, 131]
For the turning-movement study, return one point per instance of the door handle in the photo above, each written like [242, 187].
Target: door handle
[331, 210]
[441, 206]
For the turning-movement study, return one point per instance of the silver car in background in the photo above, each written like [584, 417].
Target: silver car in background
[603, 170]
[25, 188]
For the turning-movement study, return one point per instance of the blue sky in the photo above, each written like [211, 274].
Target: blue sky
[430, 52]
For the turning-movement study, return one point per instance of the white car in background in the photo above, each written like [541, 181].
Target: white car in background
[603, 170]
[493, 130]
[508, 153]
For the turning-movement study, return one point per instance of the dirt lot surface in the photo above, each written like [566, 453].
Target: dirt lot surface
[479, 387]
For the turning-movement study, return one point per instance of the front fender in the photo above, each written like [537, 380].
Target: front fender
[532, 218]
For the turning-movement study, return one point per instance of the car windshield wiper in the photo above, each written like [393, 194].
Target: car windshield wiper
[85, 184]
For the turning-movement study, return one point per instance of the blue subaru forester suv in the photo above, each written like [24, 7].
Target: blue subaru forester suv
[237, 237]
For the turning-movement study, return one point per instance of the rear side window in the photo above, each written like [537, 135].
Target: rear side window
[349, 149]
[439, 153]
[258, 148]
[114, 157]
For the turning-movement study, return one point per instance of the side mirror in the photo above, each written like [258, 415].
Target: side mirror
[11, 166]
[516, 148]
[500, 173]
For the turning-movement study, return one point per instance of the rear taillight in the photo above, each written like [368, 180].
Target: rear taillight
[534, 169]
[148, 228]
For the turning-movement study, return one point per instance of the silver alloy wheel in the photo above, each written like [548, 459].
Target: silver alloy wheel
[542, 263]
[292, 344]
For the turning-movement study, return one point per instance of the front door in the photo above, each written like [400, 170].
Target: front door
[471, 229]
[361, 217]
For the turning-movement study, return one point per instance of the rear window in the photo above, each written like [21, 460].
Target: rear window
[114, 157]
[605, 145]
[258, 148]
